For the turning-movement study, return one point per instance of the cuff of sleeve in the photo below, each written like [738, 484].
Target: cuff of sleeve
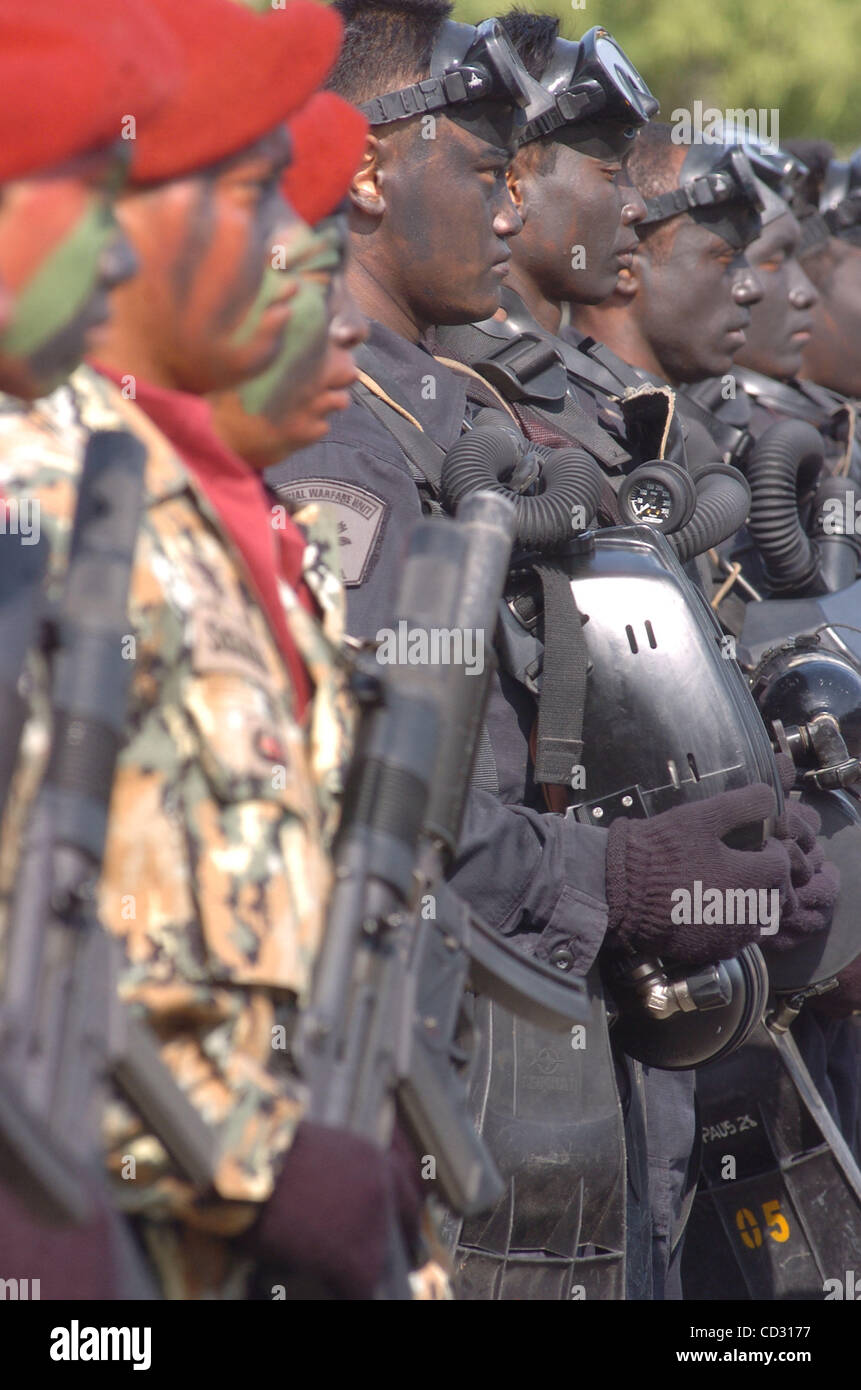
[577, 925]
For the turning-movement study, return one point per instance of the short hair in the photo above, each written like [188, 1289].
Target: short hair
[653, 170]
[651, 165]
[387, 44]
[534, 37]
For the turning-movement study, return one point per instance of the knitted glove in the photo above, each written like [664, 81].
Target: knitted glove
[648, 861]
[330, 1213]
[73, 1262]
[815, 882]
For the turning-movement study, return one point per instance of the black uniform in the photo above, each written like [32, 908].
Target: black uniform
[760, 400]
[525, 870]
[595, 380]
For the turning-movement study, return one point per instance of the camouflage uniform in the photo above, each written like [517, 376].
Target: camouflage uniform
[216, 871]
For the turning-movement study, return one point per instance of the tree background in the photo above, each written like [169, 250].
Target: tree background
[801, 57]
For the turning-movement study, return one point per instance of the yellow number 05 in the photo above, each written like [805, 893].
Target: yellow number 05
[778, 1226]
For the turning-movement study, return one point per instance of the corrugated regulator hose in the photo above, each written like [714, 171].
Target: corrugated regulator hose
[570, 484]
[785, 462]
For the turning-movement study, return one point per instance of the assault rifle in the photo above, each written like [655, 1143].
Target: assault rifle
[63, 1029]
[383, 1032]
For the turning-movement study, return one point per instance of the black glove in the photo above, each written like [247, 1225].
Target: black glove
[330, 1214]
[814, 881]
[74, 1262]
[647, 860]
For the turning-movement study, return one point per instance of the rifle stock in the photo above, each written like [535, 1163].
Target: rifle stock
[63, 1030]
[383, 1030]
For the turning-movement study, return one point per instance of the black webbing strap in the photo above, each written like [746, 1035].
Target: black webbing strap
[573, 421]
[838, 411]
[507, 366]
[423, 457]
[730, 439]
[430, 95]
[702, 192]
[582, 363]
[484, 772]
[563, 683]
[621, 372]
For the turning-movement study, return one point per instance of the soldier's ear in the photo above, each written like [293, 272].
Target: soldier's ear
[629, 281]
[366, 192]
[514, 179]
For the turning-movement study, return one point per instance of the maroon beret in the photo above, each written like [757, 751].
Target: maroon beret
[70, 72]
[328, 137]
[244, 73]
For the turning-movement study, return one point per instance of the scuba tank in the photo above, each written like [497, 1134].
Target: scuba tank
[634, 733]
[667, 716]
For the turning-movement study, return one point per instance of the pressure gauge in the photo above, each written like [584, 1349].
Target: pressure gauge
[659, 494]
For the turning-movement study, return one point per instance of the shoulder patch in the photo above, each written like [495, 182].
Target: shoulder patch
[360, 515]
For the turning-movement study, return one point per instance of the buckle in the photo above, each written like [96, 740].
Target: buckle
[702, 192]
[454, 86]
[527, 368]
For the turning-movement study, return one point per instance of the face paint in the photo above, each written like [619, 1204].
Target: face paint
[62, 285]
[576, 203]
[272, 284]
[52, 307]
[694, 303]
[320, 252]
[445, 233]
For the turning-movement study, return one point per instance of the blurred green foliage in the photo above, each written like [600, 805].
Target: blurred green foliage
[801, 57]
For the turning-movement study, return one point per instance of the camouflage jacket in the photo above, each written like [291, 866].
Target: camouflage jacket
[217, 871]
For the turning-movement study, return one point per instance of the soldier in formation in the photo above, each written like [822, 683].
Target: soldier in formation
[301, 258]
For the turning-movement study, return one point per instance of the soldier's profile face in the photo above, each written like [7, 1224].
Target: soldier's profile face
[287, 408]
[212, 303]
[686, 305]
[832, 357]
[574, 242]
[781, 322]
[61, 254]
[327, 391]
[448, 217]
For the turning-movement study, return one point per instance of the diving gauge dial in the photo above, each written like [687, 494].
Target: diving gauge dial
[659, 494]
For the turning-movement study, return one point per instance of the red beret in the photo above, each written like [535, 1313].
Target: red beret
[69, 73]
[328, 137]
[244, 74]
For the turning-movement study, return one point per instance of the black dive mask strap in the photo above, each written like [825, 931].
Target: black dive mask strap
[471, 68]
[731, 182]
